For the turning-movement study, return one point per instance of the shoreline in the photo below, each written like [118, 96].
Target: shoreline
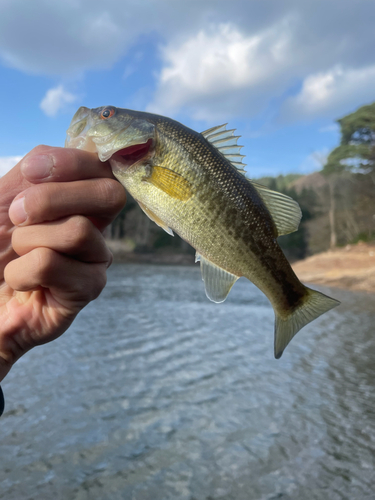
[122, 253]
[348, 268]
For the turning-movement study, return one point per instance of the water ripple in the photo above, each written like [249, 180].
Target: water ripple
[156, 393]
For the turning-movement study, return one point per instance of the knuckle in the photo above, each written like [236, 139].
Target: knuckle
[16, 238]
[43, 262]
[38, 201]
[113, 194]
[38, 149]
[45, 257]
[66, 156]
[80, 231]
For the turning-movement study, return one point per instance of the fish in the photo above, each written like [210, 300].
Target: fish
[194, 184]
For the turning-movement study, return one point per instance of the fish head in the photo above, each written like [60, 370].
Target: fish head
[124, 137]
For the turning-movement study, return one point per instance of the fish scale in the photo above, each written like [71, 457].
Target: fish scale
[194, 184]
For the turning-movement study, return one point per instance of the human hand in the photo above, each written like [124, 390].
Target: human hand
[53, 257]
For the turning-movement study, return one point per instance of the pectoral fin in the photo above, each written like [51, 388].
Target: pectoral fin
[155, 218]
[217, 281]
[170, 182]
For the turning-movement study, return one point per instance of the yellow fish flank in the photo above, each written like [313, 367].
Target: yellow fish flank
[194, 184]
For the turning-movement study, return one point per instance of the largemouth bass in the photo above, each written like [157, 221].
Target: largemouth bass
[194, 184]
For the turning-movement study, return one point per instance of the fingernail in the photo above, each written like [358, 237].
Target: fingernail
[17, 212]
[37, 167]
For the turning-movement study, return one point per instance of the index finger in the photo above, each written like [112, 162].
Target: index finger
[51, 164]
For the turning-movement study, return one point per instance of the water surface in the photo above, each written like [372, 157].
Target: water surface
[155, 393]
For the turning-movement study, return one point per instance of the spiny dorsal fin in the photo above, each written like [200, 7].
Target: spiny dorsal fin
[212, 130]
[217, 281]
[226, 142]
[285, 211]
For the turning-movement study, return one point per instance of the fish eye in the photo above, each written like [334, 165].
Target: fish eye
[107, 113]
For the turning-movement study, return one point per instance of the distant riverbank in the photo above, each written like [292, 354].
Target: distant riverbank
[123, 253]
[350, 268]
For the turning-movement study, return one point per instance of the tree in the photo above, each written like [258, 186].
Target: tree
[356, 152]
[355, 155]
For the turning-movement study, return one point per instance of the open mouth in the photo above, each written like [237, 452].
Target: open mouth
[128, 156]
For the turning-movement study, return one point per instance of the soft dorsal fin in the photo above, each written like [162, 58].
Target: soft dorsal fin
[226, 142]
[155, 218]
[217, 281]
[285, 211]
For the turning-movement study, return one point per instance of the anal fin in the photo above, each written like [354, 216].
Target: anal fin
[217, 281]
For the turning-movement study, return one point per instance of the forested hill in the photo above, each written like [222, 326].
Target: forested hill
[340, 209]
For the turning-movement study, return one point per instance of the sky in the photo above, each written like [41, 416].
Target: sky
[280, 72]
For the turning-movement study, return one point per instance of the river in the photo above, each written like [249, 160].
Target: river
[155, 393]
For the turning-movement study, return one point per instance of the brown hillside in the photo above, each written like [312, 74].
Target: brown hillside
[352, 268]
[313, 181]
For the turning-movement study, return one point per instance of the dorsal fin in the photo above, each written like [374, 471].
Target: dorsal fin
[212, 130]
[226, 142]
[285, 211]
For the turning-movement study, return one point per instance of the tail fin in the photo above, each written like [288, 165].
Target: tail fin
[315, 305]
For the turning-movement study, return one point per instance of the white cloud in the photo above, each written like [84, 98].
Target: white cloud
[219, 62]
[219, 57]
[7, 163]
[222, 71]
[61, 37]
[69, 37]
[56, 100]
[328, 93]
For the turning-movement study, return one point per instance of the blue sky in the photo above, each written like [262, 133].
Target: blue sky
[280, 72]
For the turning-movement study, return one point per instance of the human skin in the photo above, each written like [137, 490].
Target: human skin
[54, 206]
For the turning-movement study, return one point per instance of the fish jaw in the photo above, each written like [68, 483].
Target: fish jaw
[76, 135]
[126, 160]
[124, 136]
